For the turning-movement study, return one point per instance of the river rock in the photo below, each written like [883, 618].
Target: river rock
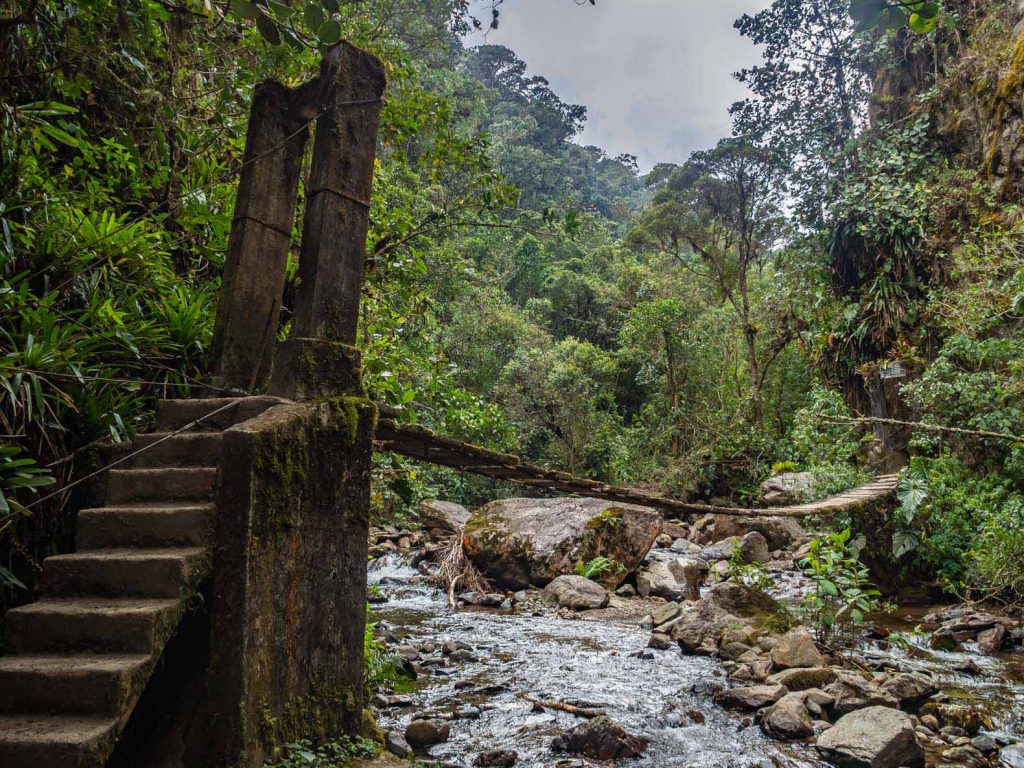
[852, 692]
[577, 593]
[1012, 756]
[779, 532]
[788, 719]
[802, 678]
[396, 744]
[425, 733]
[961, 716]
[446, 516]
[797, 649]
[665, 613]
[518, 542]
[676, 579]
[990, 641]
[786, 488]
[600, 739]
[496, 758]
[875, 737]
[753, 549]
[909, 689]
[725, 606]
[749, 697]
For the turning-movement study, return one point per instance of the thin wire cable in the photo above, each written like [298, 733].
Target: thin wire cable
[133, 454]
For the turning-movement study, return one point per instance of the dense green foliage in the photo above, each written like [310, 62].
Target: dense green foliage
[685, 330]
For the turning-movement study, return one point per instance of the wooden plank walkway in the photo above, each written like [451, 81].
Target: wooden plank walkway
[420, 443]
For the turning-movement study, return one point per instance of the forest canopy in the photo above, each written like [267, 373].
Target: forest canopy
[692, 330]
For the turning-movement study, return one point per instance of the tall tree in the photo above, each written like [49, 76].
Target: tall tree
[720, 216]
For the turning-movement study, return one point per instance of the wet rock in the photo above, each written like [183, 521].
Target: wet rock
[600, 739]
[852, 692]
[408, 652]
[723, 607]
[969, 667]
[909, 689]
[518, 542]
[445, 516]
[788, 719]
[732, 651]
[421, 734]
[984, 744]
[753, 548]
[675, 529]
[802, 678]
[577, 593]
[990, 642]
[750, 697]
[676, 579]
[396, 744]
[626, 590]
[797, 649]
[660, 642]
[663, 541]
[875, 737]
[496, 758]
[1012, 756]
[960, 716]
[943, 639]
[779, 532]
[665, 613]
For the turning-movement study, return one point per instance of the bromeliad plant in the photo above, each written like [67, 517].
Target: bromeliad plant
[843, 594]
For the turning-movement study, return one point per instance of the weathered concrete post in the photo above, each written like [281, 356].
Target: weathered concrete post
[261, 234]
[293, 498]
[316, 359]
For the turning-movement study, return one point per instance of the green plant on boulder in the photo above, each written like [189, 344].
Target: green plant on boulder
[842, 594]
[596, 568]
[333, 754]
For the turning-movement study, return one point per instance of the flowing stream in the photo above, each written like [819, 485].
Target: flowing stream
[663, 697]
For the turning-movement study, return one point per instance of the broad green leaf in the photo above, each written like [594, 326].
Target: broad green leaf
[862, 10]
[268, 30]
[313, 15]
[244, 9]
[330, 32]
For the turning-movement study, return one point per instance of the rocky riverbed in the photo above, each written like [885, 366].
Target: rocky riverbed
[574, 674]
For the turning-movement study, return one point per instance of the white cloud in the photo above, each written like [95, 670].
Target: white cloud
[655, 75]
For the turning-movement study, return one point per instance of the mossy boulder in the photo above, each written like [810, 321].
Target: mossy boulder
[521, 542]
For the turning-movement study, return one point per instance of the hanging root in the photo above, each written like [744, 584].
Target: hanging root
[455, 569]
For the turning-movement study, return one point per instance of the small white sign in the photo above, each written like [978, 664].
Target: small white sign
[894, 371]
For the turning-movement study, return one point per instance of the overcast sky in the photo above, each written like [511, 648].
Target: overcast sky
[655, 75]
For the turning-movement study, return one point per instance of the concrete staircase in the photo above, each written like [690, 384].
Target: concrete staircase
[80, 657]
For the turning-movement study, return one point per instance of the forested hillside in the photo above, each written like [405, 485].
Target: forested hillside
[852, 251]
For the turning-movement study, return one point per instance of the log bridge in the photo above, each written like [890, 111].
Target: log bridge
[214, 608]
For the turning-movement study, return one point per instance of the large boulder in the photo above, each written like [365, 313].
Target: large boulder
[797, 649]
[725, 606]
[852, 692]
[779, 532]
[909, 689]
[788, 718]
[753, 549]
[675, 579]
[749, 697]
[600, 739]
[519, 542]
[802, 678]
[787, 488]
[577, 593]
[440, 515]
[876, 737]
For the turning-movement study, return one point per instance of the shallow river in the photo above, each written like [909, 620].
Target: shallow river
[581, 662]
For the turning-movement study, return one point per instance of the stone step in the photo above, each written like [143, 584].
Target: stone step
[174, 414]
[145, 525]
[84, 684]
[124, 572]
[165, 449]
[56, 741]
[179, 484]
[96, 624]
